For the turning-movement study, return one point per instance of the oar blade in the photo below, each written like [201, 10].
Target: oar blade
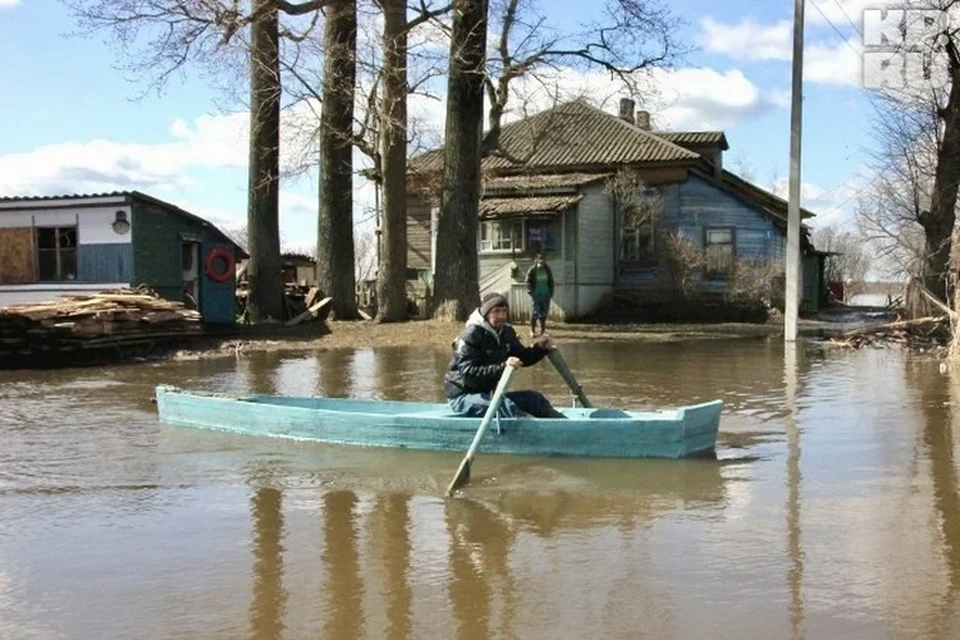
[461, 478]
[463, 472]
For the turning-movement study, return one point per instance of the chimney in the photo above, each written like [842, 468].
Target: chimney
[626, 109]
[643, 119]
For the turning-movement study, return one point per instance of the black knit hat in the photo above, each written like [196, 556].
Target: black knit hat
[492, 301]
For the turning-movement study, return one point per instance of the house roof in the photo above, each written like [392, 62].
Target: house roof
[570, 136]
[112, 197]
[568, 182]
[530, 206]
[695, 138]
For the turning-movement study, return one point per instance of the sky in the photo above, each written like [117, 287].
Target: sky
[71, 121]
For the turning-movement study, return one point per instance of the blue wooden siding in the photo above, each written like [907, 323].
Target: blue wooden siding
[697, 204]
[107, 263]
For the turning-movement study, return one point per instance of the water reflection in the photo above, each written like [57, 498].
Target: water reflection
[391, 523]
[343, 607]
[794, 542]
[336, 380]
[269, 594]
[939, 396]
[479, 571]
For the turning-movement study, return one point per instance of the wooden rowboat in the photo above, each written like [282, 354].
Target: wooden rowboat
[592, 432]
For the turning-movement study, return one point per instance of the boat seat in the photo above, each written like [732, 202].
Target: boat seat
[607, 413]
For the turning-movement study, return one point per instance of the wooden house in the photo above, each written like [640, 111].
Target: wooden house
[53, 246]
[566, 200]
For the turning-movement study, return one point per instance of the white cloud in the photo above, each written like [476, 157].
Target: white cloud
[836, 62]
[702, 98]
[4, 4]
[748, 40]
[834, 206]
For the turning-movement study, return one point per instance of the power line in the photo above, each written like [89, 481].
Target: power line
[838, 32]
[847, 16]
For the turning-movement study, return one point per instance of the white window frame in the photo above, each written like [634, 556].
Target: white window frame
[486, 246]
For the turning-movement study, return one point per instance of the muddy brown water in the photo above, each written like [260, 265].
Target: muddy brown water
[832, 509]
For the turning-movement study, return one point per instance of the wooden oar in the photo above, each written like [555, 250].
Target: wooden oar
[463, 473]
[567, 376]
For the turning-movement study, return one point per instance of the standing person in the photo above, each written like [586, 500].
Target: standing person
[485, 347]
[540, 287]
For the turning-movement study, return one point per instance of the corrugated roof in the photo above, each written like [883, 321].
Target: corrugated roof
[529, 206]
[695, 138]
[540, 182]
[573, 134]
[67, 196]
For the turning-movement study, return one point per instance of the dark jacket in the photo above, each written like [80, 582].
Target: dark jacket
[480, 356]
[530, 282]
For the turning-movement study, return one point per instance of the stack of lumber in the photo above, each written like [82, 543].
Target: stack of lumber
[120, 318]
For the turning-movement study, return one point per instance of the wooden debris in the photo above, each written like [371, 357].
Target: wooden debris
[920, 333]
[117, 318]
[311, 312]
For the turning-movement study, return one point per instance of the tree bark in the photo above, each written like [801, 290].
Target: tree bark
[456, 281]
[265, 289]
[939, 221]
[392, 270]
[335, 249]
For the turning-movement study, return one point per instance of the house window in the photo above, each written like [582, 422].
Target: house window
[720, 248]
[541, 236]
[57, 253]
[638, 214]
[636, 243]
[501, 235]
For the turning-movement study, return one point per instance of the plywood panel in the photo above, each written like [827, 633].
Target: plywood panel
[17, 258]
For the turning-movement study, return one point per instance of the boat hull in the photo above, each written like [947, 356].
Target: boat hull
[674, 433]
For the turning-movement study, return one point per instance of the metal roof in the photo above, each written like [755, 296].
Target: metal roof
[492, 208]
[573, 134]
[695, 138]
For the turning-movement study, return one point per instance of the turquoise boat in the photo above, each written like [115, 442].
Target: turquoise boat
[680, 432]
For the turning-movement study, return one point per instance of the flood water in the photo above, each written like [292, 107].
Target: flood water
[832, 509]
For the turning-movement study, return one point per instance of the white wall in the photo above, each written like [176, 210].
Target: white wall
[94, 223]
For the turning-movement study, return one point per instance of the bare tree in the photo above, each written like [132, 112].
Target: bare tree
[208, 32]
[456, 282]
[632, 37]
[335, 249]
[265, 298]
[901, 187]
[852, 260]
[926, 109]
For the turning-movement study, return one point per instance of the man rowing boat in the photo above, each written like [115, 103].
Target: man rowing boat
[488, 344]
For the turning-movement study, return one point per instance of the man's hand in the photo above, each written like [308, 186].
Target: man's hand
[515, 362]
[544, 341]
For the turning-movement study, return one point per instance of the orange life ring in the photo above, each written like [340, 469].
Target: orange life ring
[214, 258]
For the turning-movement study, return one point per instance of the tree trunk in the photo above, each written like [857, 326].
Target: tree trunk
[456, 281]
[265, 289]
[335, 250]
[938, 222]
[392, 270]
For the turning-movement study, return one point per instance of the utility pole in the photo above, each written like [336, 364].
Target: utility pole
[792, 294]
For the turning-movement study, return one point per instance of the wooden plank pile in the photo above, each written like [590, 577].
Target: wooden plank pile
[119, 318]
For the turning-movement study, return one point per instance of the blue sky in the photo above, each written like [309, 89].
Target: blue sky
[73, 123]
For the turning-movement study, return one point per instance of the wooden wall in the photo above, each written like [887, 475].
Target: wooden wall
[418, 234]
[17, 256]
